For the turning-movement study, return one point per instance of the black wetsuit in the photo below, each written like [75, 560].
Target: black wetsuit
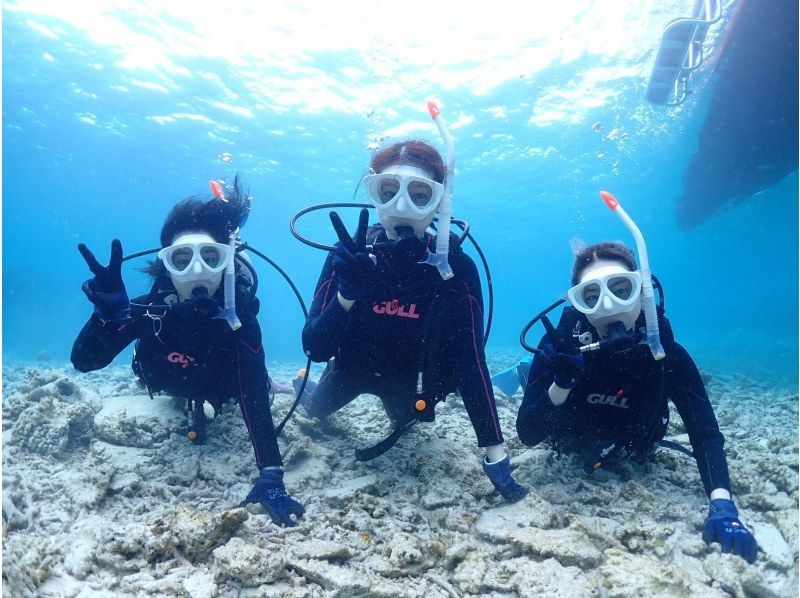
[189, 353]
[622, 399]
[376, 346]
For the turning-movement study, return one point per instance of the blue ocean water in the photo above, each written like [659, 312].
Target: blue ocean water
[114, 111]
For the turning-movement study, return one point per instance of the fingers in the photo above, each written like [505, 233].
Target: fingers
[360, 239]
[86, 287]
[115, 263]
[341, 231]
[280, 516]
[365, 264]
[296, 509]
[726, 541]
[737, 546]
[90, 260]
[342, 256]
[708, 534]
[116, 254]
[752, 551]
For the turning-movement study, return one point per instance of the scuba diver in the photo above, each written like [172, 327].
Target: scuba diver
[601, 379]
[395, 319]
[197, 335]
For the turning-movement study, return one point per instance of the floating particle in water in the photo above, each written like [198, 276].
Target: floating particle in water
[615, 167]
[598, 126]
[225, 157]
[617, 135]
[601, 155]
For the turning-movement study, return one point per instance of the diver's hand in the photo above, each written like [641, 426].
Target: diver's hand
[354, 267]
[105, 289]
[567, 368]
[270, 493]
[358, 242]
[500, 475]
[723, 526]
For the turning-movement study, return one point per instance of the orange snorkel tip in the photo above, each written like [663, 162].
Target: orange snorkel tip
[610, 200]
[216, 189]
[433, 109]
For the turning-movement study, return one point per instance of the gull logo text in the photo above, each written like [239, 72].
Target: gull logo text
[176, 357]
[611, 400]
[395, 308]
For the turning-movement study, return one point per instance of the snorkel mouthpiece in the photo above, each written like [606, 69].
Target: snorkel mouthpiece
[649, 301]
[228, 312]
[439, 259]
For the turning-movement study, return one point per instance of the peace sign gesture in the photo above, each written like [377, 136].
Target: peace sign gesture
[357, 243]
[106, 290]
[353, 267]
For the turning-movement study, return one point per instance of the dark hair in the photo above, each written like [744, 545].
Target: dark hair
[413, 152]
[203, 213]
[602, 251]
[218, 218]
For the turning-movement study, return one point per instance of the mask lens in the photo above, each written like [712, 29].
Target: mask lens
[210, 256]
[385, 189]
[420, 193]
[590, 294]
[621, 287]
[181, 258]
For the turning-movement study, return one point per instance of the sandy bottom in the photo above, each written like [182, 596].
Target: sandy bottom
[104, 495]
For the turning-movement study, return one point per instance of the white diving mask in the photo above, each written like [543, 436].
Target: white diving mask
[195, 260]
[608, 293]
[404, 192]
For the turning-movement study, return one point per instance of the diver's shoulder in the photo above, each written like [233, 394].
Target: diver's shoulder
[461, 263]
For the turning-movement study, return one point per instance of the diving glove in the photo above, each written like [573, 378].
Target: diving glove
[105, 289]
[500, 475]
[270, 493]
[567, 368]
[723, 526]
[354, 267]
[353, 271]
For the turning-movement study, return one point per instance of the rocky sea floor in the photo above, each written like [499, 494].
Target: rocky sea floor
[104, 495]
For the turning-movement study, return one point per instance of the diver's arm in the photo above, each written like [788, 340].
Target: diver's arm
[99, 342]
[327, 317]
[253, 388]
[537, 414]
[685, 388]
[542, 405]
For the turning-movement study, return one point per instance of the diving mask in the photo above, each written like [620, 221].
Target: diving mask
[404, 192]
[608, 293]
[180, 258]
[195, 263]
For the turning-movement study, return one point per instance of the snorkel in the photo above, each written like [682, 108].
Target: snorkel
[439, 259]
[228, 312]
[648, 301]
